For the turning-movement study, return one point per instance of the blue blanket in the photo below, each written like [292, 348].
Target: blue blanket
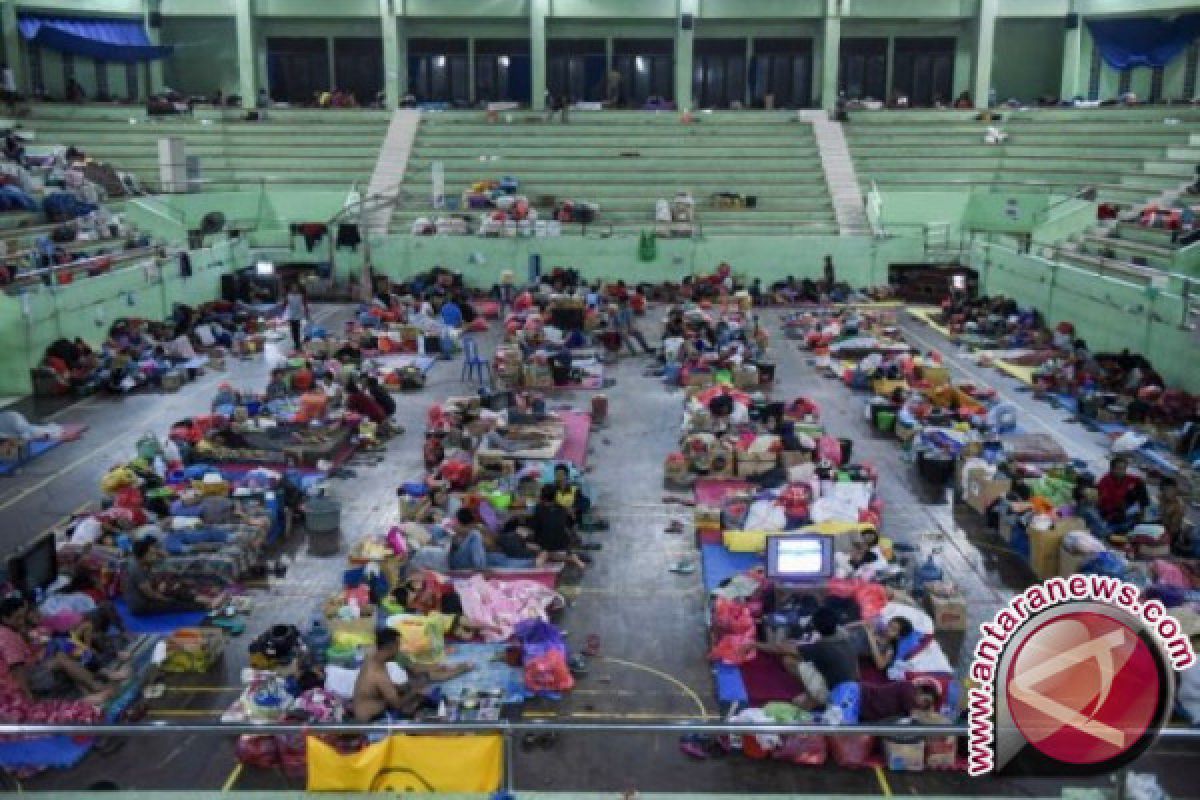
[719, 564]
[37, 447]
[158, 623]
[43, 753]
[489, 673]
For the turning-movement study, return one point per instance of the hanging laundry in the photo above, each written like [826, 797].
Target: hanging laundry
[348, 236]
[312, 232]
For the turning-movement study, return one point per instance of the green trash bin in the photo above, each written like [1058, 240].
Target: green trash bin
[322, 520]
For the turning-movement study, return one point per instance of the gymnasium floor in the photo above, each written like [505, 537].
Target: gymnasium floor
[650, 621]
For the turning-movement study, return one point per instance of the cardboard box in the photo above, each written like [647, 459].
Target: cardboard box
[982, 491]
[1045, 546]
[707, 518]
[904, 755]
[935, 376]
[13, 449]
[794, 458]
[745, 377]
[941, 752]
[949, 612]
[750, 465]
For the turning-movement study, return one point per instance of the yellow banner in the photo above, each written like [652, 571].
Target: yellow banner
[405, 763]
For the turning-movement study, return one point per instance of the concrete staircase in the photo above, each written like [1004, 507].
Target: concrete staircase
[848, 204]
[384, 186]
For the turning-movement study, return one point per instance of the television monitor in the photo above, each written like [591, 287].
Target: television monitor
[34, 566]
[799, 558]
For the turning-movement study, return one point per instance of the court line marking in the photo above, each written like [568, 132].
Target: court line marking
[687, 690]
[884, 786]
[232, 780]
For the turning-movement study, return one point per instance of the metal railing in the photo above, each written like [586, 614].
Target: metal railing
[508, 730]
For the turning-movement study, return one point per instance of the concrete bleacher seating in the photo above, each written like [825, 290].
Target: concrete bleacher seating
[1129, 155]
[311, 149]
[624, 161]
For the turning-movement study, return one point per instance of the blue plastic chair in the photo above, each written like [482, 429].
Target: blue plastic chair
[475, 365]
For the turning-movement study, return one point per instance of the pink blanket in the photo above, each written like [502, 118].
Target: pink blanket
[578, 428]
[712, 491]
[497, 606]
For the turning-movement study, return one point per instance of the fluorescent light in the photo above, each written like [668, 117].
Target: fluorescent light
[264, 268]
[502, 61]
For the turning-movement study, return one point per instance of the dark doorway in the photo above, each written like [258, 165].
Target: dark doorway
[862, 69]
[502, 70]
[782, 68]
[575, 67]
[647, 69]
[358, 67]
[437, 70]
[719, 72]
[297, 68]
[923, 70]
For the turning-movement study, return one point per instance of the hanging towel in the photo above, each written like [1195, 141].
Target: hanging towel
[348, 236]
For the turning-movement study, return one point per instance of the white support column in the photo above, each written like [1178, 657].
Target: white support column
[244, 16]
[685, 41]
[391, 55]
[14, 47]
[538, 9]
[1072, 61]
[154, 69]
[984, 50]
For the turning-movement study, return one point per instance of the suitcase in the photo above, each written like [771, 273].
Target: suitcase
[599, 409]
[172, 380]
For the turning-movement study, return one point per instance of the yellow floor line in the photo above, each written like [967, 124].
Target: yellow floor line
[232, 780]
[669, 678]
[884, 786]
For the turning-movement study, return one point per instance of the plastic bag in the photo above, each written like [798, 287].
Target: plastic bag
[257, 751]
[807, 750]
[732, 617]
[853, 751]
[734, 649]
[548, 672]
[538, 637]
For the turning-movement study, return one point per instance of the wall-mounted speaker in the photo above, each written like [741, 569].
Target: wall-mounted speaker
[687, 21]
[1072, 21]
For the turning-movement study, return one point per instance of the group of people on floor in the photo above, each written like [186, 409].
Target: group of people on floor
[541, 527]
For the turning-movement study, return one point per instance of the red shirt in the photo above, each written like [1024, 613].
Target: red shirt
[1113, 494]
[14, 652]
[363, 403]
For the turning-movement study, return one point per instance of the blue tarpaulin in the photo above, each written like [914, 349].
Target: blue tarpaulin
[105, 39]
[1125, 42]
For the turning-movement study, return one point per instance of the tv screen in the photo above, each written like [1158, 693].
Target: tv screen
[35, 567]
[800, 557]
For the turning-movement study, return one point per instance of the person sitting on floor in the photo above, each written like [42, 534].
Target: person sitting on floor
[28, 669]
[1172, 514]
[569, 495]
[1121, 496]
[820, 666]
[383, 397]
[467, 551]
[360, 402]
[383, 690]
[144, 594]
[277, 386]
[551, 525]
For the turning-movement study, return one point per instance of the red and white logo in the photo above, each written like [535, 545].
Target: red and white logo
[1072, 677]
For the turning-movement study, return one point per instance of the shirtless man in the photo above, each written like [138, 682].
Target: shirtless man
[376, 696]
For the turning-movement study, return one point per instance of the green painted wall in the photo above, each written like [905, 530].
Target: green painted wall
[205, 57]
[860, 260]
[1028, 61]
[86, 308]
[910, 212]
[1108, 314]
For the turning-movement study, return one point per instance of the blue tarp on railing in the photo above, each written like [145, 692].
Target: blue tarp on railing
[1129, 42]
[105, 39]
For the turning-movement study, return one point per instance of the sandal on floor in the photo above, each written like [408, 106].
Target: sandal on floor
[591, 646]
[692, 749]
[577, 665]
[682, 568]
[674, 526]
